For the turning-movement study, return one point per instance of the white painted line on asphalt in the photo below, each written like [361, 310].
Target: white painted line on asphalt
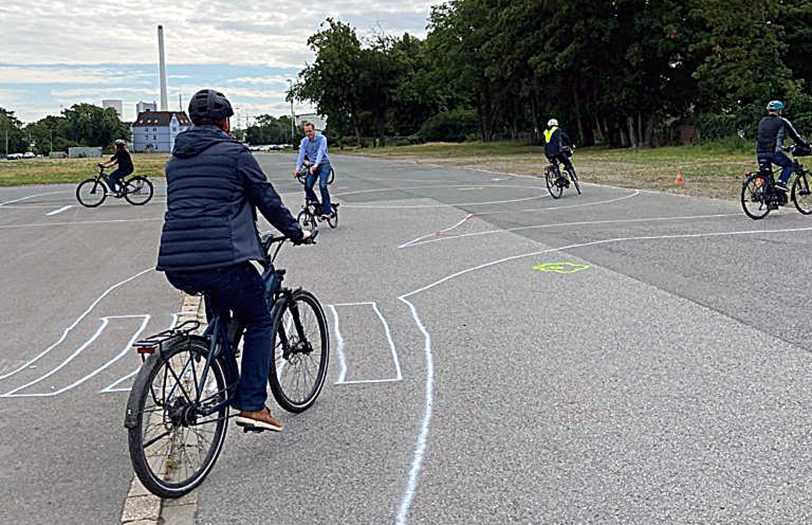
[421, 206]
[440, 233]
[426, 240]
[112, 387]
[435, 234]
[391, 342]
[105, 321]
[72, 223]
[73, 325]
[340, 347]
[90, 341]
[31, 197]
[60, 210]
[422, 437]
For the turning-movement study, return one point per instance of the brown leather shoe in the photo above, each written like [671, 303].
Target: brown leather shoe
[260, 419]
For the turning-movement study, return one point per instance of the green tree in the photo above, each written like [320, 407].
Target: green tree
[90, 125]
[12, 137]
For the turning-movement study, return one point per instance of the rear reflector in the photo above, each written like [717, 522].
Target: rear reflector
[145, 349]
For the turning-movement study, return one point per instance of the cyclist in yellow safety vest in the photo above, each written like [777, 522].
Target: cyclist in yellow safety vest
[558, 146]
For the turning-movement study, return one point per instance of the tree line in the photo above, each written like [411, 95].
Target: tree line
[622, 72]
[79, 125]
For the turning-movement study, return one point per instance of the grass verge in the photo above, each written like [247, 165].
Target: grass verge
[710, 170]
[65, 171]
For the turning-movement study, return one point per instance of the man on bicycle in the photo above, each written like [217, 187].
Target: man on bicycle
[557, 145]
[124, 161]
[772, 130]
[214, 188]
[314, 146]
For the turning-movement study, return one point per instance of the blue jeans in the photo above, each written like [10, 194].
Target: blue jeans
[323, 173]
[779, 159]
[115, 176]
[238, 289]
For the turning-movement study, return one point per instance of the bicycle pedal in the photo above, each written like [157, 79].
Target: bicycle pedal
[255, 430]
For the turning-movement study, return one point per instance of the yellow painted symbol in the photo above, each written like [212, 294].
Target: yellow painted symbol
[561, 267]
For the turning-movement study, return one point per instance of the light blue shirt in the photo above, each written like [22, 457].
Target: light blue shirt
[316, 151]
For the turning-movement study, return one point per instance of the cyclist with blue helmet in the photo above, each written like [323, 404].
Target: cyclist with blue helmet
[772, 131]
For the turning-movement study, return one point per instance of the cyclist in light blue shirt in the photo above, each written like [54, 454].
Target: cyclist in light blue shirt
[314, 147]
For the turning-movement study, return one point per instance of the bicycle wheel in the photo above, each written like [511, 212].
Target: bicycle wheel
[332, 175]
[306, 220]
[301, 351]
[333, 219]
[91, 193]
[138, 191]
[801, 194]
[755, 197]
[173, 446]
[574, 178]
[551, 177]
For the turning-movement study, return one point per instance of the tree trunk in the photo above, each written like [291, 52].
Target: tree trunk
[578, 114]
[600, 137]
[632, 137]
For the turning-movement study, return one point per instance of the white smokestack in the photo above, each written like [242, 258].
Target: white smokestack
[162, 60]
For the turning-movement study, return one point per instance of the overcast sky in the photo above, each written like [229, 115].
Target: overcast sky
[57, 53]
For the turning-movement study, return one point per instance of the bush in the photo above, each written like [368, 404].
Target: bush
[450, 126]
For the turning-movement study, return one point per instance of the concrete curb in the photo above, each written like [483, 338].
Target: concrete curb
[143, 508]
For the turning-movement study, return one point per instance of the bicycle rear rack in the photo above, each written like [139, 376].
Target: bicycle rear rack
[166, 338]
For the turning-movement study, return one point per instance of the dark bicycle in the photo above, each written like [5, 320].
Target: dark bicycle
[179, 405]
[93, 192]
[305, 169]
[311, 215]
[557, 179]
[759, 196]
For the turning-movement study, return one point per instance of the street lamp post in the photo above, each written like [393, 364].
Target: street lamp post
[292, 116]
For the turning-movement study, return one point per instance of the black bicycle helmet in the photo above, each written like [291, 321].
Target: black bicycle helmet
[208, 103]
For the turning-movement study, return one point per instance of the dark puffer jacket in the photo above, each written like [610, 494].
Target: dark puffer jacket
[214, 187]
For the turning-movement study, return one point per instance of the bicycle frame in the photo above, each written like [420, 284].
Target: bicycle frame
[224, 336]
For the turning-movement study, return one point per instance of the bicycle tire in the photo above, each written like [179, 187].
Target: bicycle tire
[306, 220]
[574, 178]
[288, 350]
[802, 194]
[91, 187]
[137, 188]
[753, 193]
[551, 179]
[156, 475]
[332, 176]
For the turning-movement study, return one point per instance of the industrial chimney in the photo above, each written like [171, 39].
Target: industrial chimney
[162, 60]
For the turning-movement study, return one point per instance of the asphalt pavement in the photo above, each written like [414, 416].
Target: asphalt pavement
[618, 356]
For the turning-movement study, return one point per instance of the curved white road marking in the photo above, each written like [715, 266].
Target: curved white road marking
[144, 321]
[73, 325]
[437, 238]
[60, 210]
[71, 223]
[470, 216]
[32, 196]
[113, 387]
[342, 376]
[422, 438]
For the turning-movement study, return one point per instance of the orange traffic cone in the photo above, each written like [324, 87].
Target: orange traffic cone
[679, 180]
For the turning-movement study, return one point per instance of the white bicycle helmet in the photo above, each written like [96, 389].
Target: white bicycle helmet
[552, 122]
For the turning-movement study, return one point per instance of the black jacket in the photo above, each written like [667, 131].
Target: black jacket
[772, 130]
[214, 187]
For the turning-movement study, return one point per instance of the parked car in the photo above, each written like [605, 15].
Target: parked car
[14, 156]
[29, 155]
